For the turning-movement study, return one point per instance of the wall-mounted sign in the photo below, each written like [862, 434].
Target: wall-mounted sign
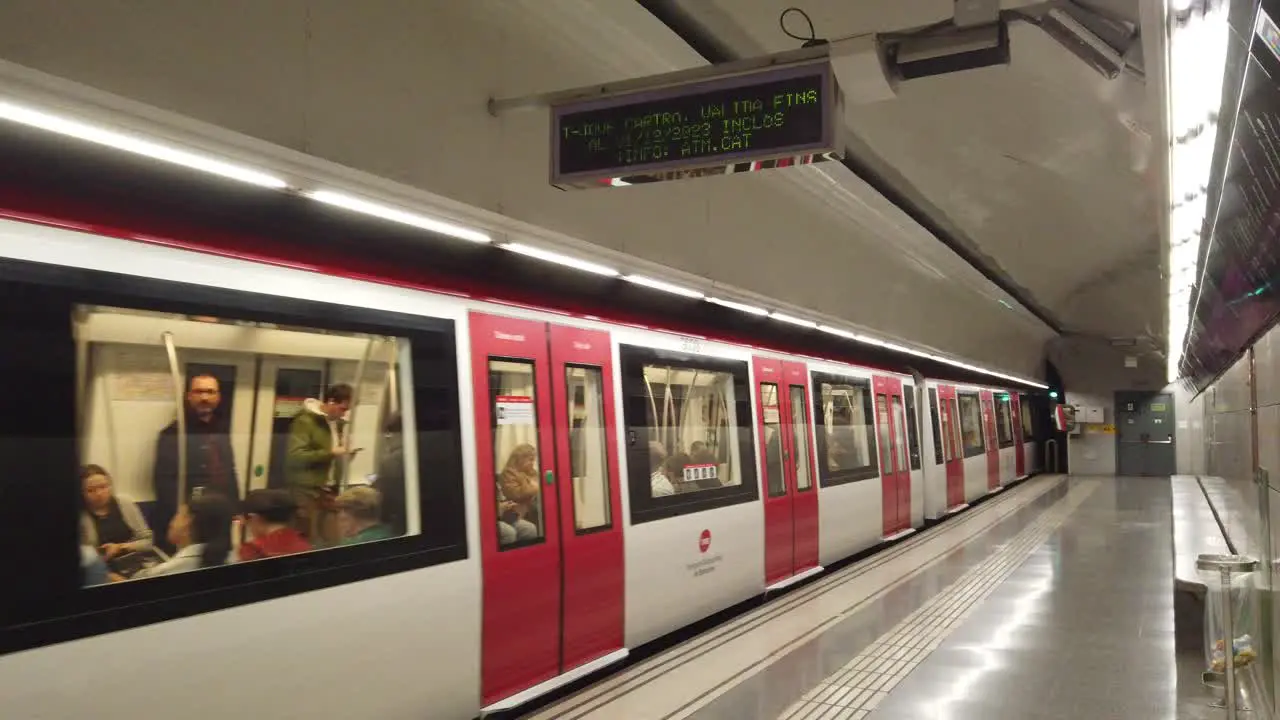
[763, 115]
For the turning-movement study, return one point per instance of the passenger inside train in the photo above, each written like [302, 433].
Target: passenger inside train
[112, 524]
[193, 413]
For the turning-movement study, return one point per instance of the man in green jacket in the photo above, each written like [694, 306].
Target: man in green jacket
[316, 448]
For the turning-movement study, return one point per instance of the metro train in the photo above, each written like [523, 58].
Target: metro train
[568, 488]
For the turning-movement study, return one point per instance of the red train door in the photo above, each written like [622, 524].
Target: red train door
[1019, 451]
[993, 442]
[952, 453]
[790, 503]
[895, 472]
[803, 464]
[551, 537]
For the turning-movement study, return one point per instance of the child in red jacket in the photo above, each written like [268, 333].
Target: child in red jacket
[269, 515]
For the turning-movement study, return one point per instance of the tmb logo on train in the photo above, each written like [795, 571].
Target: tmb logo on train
[704, 541]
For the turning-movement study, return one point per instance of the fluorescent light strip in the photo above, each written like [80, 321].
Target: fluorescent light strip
[793, 320]
[559, 259]
[136, 145]
[385, 212]
[663, 286]
[838, 332]
[741, 307]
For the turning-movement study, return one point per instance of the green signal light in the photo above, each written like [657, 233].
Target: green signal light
[1053, 394]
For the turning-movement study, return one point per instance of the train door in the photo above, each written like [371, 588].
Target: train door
[550, 505]
[895, 473]
[1019, 450]
[236, 377]
[790, 504]
[284, 385]
[952, 453]
[992, 443]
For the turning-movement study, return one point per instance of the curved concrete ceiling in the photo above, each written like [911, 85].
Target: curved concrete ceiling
[1045, 168]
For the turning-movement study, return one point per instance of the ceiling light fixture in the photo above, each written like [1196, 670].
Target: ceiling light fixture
[741, 307]
[664, 286]
[385, 212]
[136, 145]
[1197, 58]
[838, 332]
[558, 259]
[793, 320]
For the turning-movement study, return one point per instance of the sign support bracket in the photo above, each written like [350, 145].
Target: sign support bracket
[498, 106]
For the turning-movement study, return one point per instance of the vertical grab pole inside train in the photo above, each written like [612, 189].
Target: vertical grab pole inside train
[79, 331]
[657, 419]
[344, 472]
[393, 386]
[175, 371]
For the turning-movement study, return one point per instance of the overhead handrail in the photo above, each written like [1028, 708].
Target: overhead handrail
[175, 372]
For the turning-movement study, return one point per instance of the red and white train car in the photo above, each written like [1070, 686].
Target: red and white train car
[673, 477]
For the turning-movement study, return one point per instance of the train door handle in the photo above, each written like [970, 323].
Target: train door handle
[550, 478]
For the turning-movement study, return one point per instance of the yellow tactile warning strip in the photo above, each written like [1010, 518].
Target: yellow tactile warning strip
[855, 690]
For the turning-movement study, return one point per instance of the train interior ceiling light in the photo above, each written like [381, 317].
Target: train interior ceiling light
[1198, 36]
[128, 141]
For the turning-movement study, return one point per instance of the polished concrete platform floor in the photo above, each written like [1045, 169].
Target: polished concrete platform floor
[1053, 600]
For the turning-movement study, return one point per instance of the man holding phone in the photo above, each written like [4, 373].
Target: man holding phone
[317, 453]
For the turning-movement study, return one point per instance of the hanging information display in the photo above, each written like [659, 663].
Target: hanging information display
[787, 112]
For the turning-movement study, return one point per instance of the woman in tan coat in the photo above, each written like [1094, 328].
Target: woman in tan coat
[518, 494]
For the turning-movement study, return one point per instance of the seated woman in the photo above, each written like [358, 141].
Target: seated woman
[360, 516]
[112, 524]
[269, 515]
[201, 532]
[518, 493]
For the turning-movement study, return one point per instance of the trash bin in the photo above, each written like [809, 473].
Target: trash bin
[1230, 629]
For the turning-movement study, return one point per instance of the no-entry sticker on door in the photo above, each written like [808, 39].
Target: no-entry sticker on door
[514, 410]
[707, 471]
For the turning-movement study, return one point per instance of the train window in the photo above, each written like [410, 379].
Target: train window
[843, 420]
[161, 430]
[957, 444]
[775, 480]
[900, 428]
[689, 439]
[588, 458]
[1004, 421]
[913, 434]
[882, 432]
[516, 453]
[971, 424]
[175, 453]
[800, 437]
[935, 412]
[1024, 406]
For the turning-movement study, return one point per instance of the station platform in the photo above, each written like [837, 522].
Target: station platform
[1052, 600]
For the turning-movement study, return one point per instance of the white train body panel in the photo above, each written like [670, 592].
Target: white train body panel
[269, 655]
[671, 583]
[1008, 465]
[851, 519]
